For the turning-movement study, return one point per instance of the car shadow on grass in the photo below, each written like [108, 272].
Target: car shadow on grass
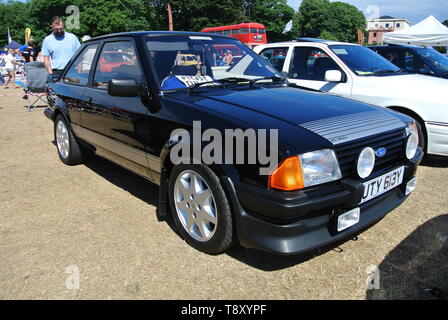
[271, 262]
[125, 179]
[416, 269]
[435, 162]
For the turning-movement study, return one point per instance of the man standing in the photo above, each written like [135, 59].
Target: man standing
[60, 46]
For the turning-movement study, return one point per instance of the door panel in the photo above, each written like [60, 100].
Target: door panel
[308, 67]
[116, 125]
[74, 83]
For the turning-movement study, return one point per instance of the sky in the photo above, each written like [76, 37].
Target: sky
[412, 10]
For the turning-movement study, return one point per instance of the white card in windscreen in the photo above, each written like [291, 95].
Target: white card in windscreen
[189, 81]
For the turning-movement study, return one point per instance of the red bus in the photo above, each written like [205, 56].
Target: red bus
[251, 34]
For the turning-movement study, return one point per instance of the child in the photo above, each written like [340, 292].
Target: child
[10, 67]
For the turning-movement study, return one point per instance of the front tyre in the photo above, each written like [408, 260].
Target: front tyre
[69, 150]
[201, 209]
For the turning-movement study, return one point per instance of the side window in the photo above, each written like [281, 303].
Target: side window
[80, 69]
[414, 64]
[276, 56]
[397, 57]
[117, 60]
[311, 64]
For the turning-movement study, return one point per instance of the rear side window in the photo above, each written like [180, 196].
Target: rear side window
[117, 60]
[80, 69]
[275, 56]
[397, 57]
[414, 64]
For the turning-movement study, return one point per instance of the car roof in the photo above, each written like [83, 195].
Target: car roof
[301, 41]
[139, 34]
[408, 46]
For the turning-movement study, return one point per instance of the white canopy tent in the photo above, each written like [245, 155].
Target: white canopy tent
[429, 32]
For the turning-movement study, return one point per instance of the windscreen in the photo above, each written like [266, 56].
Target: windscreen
[362, 60]
[181, 61]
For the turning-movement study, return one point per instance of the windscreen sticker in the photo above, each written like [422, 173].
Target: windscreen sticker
[340, 51]
[192, 80]
[200, 38]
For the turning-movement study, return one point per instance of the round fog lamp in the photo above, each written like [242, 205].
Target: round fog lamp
[366, 162]
[411, 146]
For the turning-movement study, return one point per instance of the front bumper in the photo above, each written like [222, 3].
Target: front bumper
[302, 222]
[437, 138]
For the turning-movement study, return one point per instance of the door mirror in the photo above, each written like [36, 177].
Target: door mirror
[333, 76]
[123, 87]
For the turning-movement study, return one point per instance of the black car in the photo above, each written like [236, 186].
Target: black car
[240, 154]
[415, 59]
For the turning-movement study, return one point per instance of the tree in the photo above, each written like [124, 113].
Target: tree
[104, 16]
[13, 15]
[95, 18]
[274, 15]
[445, 22]
[195, 15]
[334, 20]
[344, 20]
[311, 17]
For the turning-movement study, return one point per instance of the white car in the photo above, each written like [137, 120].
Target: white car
[357, 72]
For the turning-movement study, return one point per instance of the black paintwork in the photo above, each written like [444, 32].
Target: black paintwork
[144, 126]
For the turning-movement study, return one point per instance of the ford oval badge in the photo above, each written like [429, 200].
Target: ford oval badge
[381, 152]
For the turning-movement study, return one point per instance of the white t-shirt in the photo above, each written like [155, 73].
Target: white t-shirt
[8, 61]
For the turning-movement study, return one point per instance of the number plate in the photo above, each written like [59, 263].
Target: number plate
[380, 185]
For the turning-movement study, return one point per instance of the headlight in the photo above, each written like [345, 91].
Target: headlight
[319, 167]
[412, 142]
[306, 170]
[366, 162]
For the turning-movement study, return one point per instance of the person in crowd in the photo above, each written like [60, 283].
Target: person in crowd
[10, 67]
[59, 46]
[29, 53]
[17, 55]
[228, 58]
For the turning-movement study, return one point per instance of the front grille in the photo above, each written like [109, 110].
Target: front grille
[393, 141]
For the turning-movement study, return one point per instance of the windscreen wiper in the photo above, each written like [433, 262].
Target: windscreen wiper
[273, 78]
[234, 79]
[385, 72]
[197, 85]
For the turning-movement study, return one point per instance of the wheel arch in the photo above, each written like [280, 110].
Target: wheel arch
[411, 114]
[166, 167]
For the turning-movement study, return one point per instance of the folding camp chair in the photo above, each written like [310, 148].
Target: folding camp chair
[36, 84]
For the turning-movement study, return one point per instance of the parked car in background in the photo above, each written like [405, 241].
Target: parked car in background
[357, 72]
[415, 59]
[341, 165]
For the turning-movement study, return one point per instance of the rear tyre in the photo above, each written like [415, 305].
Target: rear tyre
[201, 209]
[69, 150]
